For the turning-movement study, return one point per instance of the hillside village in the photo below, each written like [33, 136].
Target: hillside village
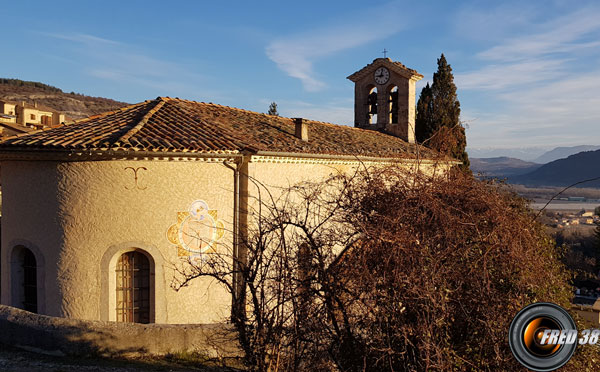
[26, 106]
[72, 105]
[22, 117]
[563, 219]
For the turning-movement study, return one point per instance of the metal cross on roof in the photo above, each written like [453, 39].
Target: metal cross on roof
[384, 53]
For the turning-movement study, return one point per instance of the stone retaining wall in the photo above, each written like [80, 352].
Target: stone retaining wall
[60, 336]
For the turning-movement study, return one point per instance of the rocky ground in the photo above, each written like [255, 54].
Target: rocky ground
[17, 360]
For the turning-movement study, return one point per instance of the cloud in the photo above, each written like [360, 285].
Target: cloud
[562, 102]
[539, 56]
[81, 38]
[564, 34]
[503, 76]
[497, 21]
[541, 82]
[296, 54]
[126, 64]
[563, 112]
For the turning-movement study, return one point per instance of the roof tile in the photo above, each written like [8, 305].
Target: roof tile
[177, 125]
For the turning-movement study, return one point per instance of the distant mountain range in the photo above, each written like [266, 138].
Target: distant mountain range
[563, 152]
[523, 153]
[539, 155]
[502, 167]
[74, 105]
[564, 172]
[564, 166]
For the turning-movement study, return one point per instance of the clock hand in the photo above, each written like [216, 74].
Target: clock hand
[196, 235]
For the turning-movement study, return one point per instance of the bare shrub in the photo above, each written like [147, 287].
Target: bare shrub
[388, 270]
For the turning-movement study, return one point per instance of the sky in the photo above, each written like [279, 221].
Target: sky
[527, 72]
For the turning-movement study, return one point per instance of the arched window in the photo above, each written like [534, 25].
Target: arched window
[29, 281]
[24, 279]
[133, 288]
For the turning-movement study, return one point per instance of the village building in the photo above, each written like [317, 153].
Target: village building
[97, 212]
[588, 308]
[21, 117]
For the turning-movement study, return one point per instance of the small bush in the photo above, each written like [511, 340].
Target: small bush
[445, 265]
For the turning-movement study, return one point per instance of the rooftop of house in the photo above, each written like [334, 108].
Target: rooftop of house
[167, 125]
[28, 105]
[16, 127]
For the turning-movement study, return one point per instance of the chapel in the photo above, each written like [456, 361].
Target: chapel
[96, 213]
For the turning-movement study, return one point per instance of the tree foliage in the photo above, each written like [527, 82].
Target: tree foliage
[389, 270]
[438, 109]
[35, 84]
[273, 109]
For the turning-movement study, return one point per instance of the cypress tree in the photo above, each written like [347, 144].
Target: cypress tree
[438, 111]
[423, 129]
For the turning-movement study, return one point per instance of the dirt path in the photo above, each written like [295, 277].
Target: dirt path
[17, 360]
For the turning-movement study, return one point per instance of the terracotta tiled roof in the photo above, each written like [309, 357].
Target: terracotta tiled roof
[394, 66]
[16, 127]
[177, 125]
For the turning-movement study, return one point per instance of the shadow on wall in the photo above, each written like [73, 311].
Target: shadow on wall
[60, 336]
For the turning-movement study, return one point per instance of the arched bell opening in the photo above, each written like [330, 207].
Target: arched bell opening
[372, 105]
[393, 104]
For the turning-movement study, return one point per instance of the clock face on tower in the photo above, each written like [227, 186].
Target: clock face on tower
[382, 75]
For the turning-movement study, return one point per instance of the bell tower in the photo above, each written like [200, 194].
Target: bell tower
[384, 98]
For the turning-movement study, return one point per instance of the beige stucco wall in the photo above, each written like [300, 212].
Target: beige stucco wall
[8, 108]
[27, 116]
[9, 120]
[57, 118]
[27, 112]
[279, 174]
[78, 217]
[282, 172]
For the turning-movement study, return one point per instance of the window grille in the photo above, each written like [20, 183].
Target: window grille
[133, 288]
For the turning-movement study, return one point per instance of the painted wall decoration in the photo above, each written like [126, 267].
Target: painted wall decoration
[136, 184]
[197, 231]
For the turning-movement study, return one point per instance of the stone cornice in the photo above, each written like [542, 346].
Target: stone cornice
[274, 157]
[396, 67]
[97, 155]
[258, 157]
